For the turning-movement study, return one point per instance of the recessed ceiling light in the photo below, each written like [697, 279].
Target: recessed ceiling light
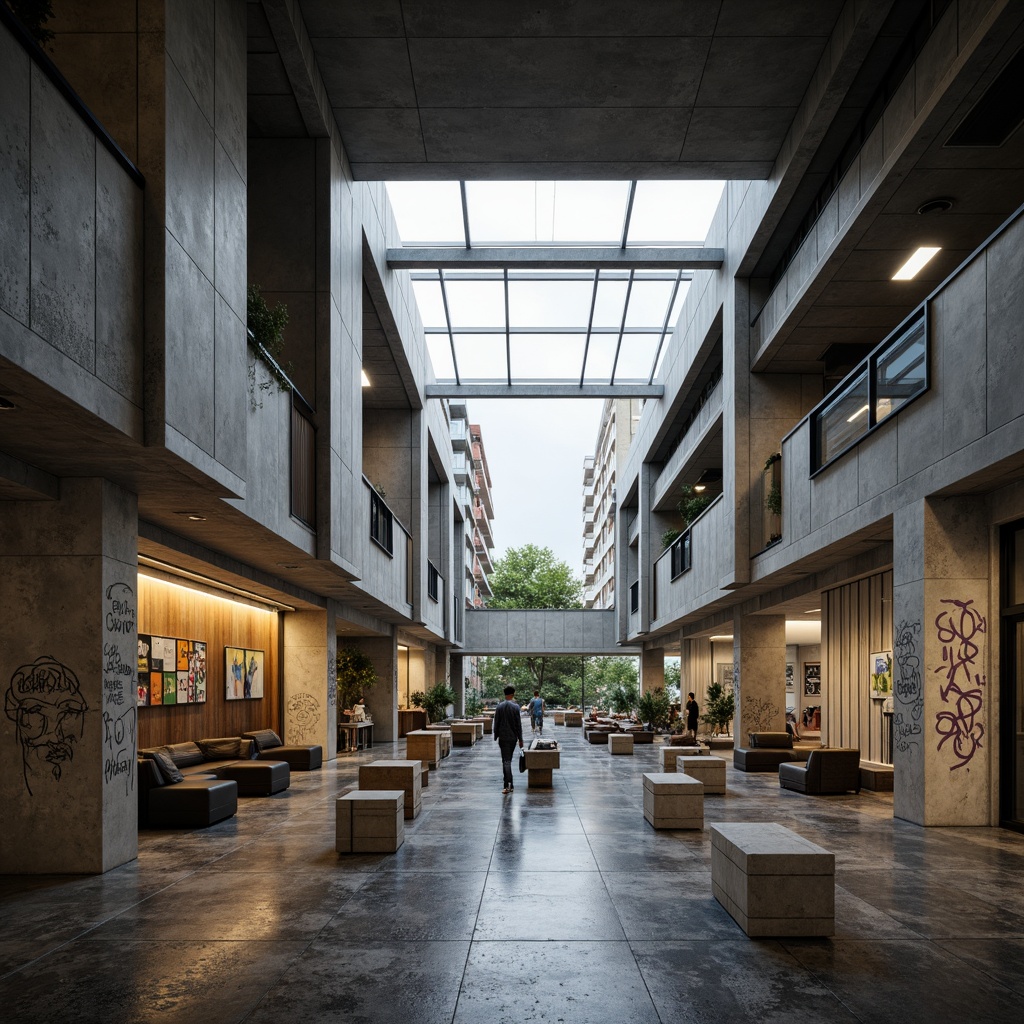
[916, 263]
[942, 204]
[6, 405]
[699, 488]
[365, 379]
[196, 518]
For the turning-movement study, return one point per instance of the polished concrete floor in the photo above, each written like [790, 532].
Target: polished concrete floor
[554, 906]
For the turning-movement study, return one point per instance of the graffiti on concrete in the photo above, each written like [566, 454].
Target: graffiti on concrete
[119, 748]
[45, 702]
[959, 628]
[303, 717]
[760, 714]
[907, 689]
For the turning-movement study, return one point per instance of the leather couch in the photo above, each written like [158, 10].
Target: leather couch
[828, 770]
[193, 802]
[227, 757]
[765, 751]
[270, 747]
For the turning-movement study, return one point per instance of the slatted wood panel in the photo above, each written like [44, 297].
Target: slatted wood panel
[173, 610]
[856, 622]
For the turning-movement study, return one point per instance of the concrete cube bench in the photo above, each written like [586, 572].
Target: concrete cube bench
[772, 881]
[464, 734]
[673, 801]
[708, 770]
[370, 822]
[620, 743]
[559, 717]
[667, 756]
[391, 775]
[423, 745]
[574, 718]
[539, 765]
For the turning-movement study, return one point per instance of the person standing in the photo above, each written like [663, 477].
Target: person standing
[692, 714]
[536, 709]
[508, 730]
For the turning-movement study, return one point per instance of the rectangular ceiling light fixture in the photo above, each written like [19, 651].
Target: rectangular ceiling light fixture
[365, 379]
[916, 263]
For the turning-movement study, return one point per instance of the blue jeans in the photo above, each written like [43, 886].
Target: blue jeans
[538, 723]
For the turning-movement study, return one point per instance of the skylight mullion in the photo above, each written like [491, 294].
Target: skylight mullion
[448, 322]
[465, 215]
[590, 327]
[622, 328]
[629, 214]
[508, 336]
[664, 326]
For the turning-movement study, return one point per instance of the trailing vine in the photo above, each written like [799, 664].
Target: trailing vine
[266, 339]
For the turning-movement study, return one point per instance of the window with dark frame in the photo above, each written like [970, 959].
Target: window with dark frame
[382, 523]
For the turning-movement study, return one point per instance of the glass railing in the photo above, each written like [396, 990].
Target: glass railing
[894, 374]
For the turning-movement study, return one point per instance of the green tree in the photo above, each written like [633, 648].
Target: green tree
[673, 685]
[654, 708]
[531, 577]
[355, 673]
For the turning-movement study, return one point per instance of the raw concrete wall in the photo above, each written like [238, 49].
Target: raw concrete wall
[547, 631]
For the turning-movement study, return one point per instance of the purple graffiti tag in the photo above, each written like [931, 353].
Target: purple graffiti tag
[955, 629]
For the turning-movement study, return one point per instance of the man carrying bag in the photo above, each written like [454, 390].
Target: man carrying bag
[508, 730]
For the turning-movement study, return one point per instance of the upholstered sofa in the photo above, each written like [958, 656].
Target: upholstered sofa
[173, 801]
[227, 757]
[827, 770]
[270, 747]
[765, 751]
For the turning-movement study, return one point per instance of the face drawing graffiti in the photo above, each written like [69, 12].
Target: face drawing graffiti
[46, 704]
[303, 715]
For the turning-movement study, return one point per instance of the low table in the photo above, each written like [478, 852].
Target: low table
[772, 881]
[356, 735]
[257, 778]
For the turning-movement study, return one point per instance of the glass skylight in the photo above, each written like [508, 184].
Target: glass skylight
[556, 326]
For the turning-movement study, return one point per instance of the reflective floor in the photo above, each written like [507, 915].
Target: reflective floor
[557, 906]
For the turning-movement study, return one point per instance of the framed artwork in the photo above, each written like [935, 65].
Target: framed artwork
[723, 676]
[171, 670]
[812, 678]
[790, 678]
[243, 673]
[880, 668]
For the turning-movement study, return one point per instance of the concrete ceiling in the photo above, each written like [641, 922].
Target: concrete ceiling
[449, 89]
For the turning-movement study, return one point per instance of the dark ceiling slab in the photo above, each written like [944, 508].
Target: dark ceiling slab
[571, 90]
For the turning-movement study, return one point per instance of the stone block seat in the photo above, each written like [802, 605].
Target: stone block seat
[270, 747]
[667, 756]
[370, 821]
[388, 775]
[620, 743]
[765, 751]
[228, 757]
[178, 802]
[772, 881]
[673, 801]
[424, 745]
[540, 763]
[463, 733]
[827, 770]
[596, 735]
[710, 771]
[574, 719]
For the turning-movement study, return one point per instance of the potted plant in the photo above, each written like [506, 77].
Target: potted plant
[654, 708]
[355, 674]
[720, 707]
[436, 701]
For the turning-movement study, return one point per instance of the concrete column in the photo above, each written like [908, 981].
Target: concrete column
[943, 732]
[457, 680]
[649, 548]
[652, 669]
[759, 674]
[68, 657]
[310, 689]
[382, 698]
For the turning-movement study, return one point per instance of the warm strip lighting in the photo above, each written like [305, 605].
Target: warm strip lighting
[916, 263]
[860, 412]
[365, 379]
[729, 637]
[267, 603]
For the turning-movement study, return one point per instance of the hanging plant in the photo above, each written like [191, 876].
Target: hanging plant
[669, 537]
[266, 339]
[773, 500]
[772, 459]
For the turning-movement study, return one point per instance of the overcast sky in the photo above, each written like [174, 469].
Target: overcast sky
[535, 450]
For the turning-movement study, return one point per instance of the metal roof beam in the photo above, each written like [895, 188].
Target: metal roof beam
[569, 390]
[646, 258]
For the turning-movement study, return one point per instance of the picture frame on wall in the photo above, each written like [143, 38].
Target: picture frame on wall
[812, 678]
[724, 676]
[790, 678]
[880, 670]
[171, 670]
[243, 673]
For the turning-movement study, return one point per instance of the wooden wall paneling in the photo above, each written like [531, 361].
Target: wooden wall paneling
[167, 609]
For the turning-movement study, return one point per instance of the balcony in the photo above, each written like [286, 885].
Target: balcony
[386, 557]
[460, 436]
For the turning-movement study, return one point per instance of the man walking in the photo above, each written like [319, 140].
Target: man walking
[508, 730]
[536, 710]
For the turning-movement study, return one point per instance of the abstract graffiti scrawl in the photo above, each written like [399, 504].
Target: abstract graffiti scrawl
[761, 713]
[956, 627]
[906, 725]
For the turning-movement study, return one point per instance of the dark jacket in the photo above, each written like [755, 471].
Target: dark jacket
[507, 723]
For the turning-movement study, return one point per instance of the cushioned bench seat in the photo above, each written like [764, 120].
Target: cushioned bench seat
[766, 751]
[194, 802]
[270, 747]
[226, 757]
[832, 770]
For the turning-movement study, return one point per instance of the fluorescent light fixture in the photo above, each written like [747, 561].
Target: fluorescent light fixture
[916, 263]
[811, 611]
[729, 637]
[860, 412]
[365, 379]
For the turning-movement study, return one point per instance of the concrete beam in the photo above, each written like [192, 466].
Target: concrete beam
[572, 258]
[464, 391]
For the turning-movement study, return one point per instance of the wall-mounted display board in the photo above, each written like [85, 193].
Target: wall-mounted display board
[171, 670]
[243, 673]
[812, 678]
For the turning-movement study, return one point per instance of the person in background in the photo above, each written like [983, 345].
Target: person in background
[692, 710]
[508, 730]
[536, 709]
[791, 725]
